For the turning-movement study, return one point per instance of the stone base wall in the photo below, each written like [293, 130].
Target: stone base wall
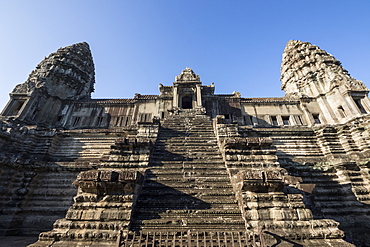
[307, 183]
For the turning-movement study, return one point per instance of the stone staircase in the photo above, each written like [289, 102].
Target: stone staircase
[329, 142]
[33, 201]
[338, 192]
[328, 184]
[187, 189]
[82, 146]
[48, 199]
[300, 146]
[360, 184]
[12, 187]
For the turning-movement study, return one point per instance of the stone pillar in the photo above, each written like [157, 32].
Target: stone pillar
[351, 103]
[175, 97]
[327, 112]
[348, 106]
[199, 95]
[308, 116]
[366, 103]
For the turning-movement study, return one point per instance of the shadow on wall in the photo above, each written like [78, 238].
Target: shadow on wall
[97, 119]
[280, 240]
[32, 201]
[221, 106]
[151, 204]
[161, 154]
[33, 191]
[157, 198]
[329, 199]
[36, 186]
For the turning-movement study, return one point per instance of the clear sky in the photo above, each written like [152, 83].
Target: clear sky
[137, 44]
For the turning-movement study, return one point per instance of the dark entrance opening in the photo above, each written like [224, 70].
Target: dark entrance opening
[187, 102]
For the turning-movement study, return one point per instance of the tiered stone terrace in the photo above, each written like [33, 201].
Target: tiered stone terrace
[187, 167]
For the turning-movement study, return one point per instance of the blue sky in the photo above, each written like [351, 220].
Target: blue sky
[137, 44]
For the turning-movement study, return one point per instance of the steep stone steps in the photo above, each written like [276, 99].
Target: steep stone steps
[179, 148]
[199, 143]
[11, 181]
[190, 191]
[215, 163]
[191, 142]
[194, 224]
[203, 212]
[299, 147]
[13, 185]
[189, 153]
[329, 142]
[182, 201]
[38, 200]
[188, 172]
[195, 164]
[335, 193]
[80, 146]
[187, 186]
[185, 198]
[189, 179]
[49, 194]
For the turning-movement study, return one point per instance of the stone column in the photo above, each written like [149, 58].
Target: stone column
[199, 95]
[308, 119]
[351, 103]
[175, 97]
[348, 106]
[327, 112]
[366, 103]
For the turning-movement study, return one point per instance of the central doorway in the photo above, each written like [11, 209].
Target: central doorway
[187, 102]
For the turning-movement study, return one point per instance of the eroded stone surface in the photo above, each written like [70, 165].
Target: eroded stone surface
[67, 74]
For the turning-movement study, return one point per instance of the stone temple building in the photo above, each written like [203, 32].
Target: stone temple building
[187, 167]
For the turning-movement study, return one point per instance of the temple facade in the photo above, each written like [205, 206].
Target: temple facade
[187, 167]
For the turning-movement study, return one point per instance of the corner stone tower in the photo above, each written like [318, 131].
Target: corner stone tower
[310, 72]
[66, 75]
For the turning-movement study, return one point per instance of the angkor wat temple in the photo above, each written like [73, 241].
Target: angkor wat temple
[187, 167]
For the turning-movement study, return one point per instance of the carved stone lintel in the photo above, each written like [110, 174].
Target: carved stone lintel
[261, 181]
[240, 142]
[102, 182]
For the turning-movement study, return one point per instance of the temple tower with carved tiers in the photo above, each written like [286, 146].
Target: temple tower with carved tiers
[309, 72]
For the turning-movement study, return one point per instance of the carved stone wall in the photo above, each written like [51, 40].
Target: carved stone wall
[267, 194]
[315, 180]
[102, 208]
[310, 72]
[67, 74]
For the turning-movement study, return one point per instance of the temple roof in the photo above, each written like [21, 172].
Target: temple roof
[186, 76]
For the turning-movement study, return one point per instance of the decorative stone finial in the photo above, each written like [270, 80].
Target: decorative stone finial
[187, 75]
[67, 74]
